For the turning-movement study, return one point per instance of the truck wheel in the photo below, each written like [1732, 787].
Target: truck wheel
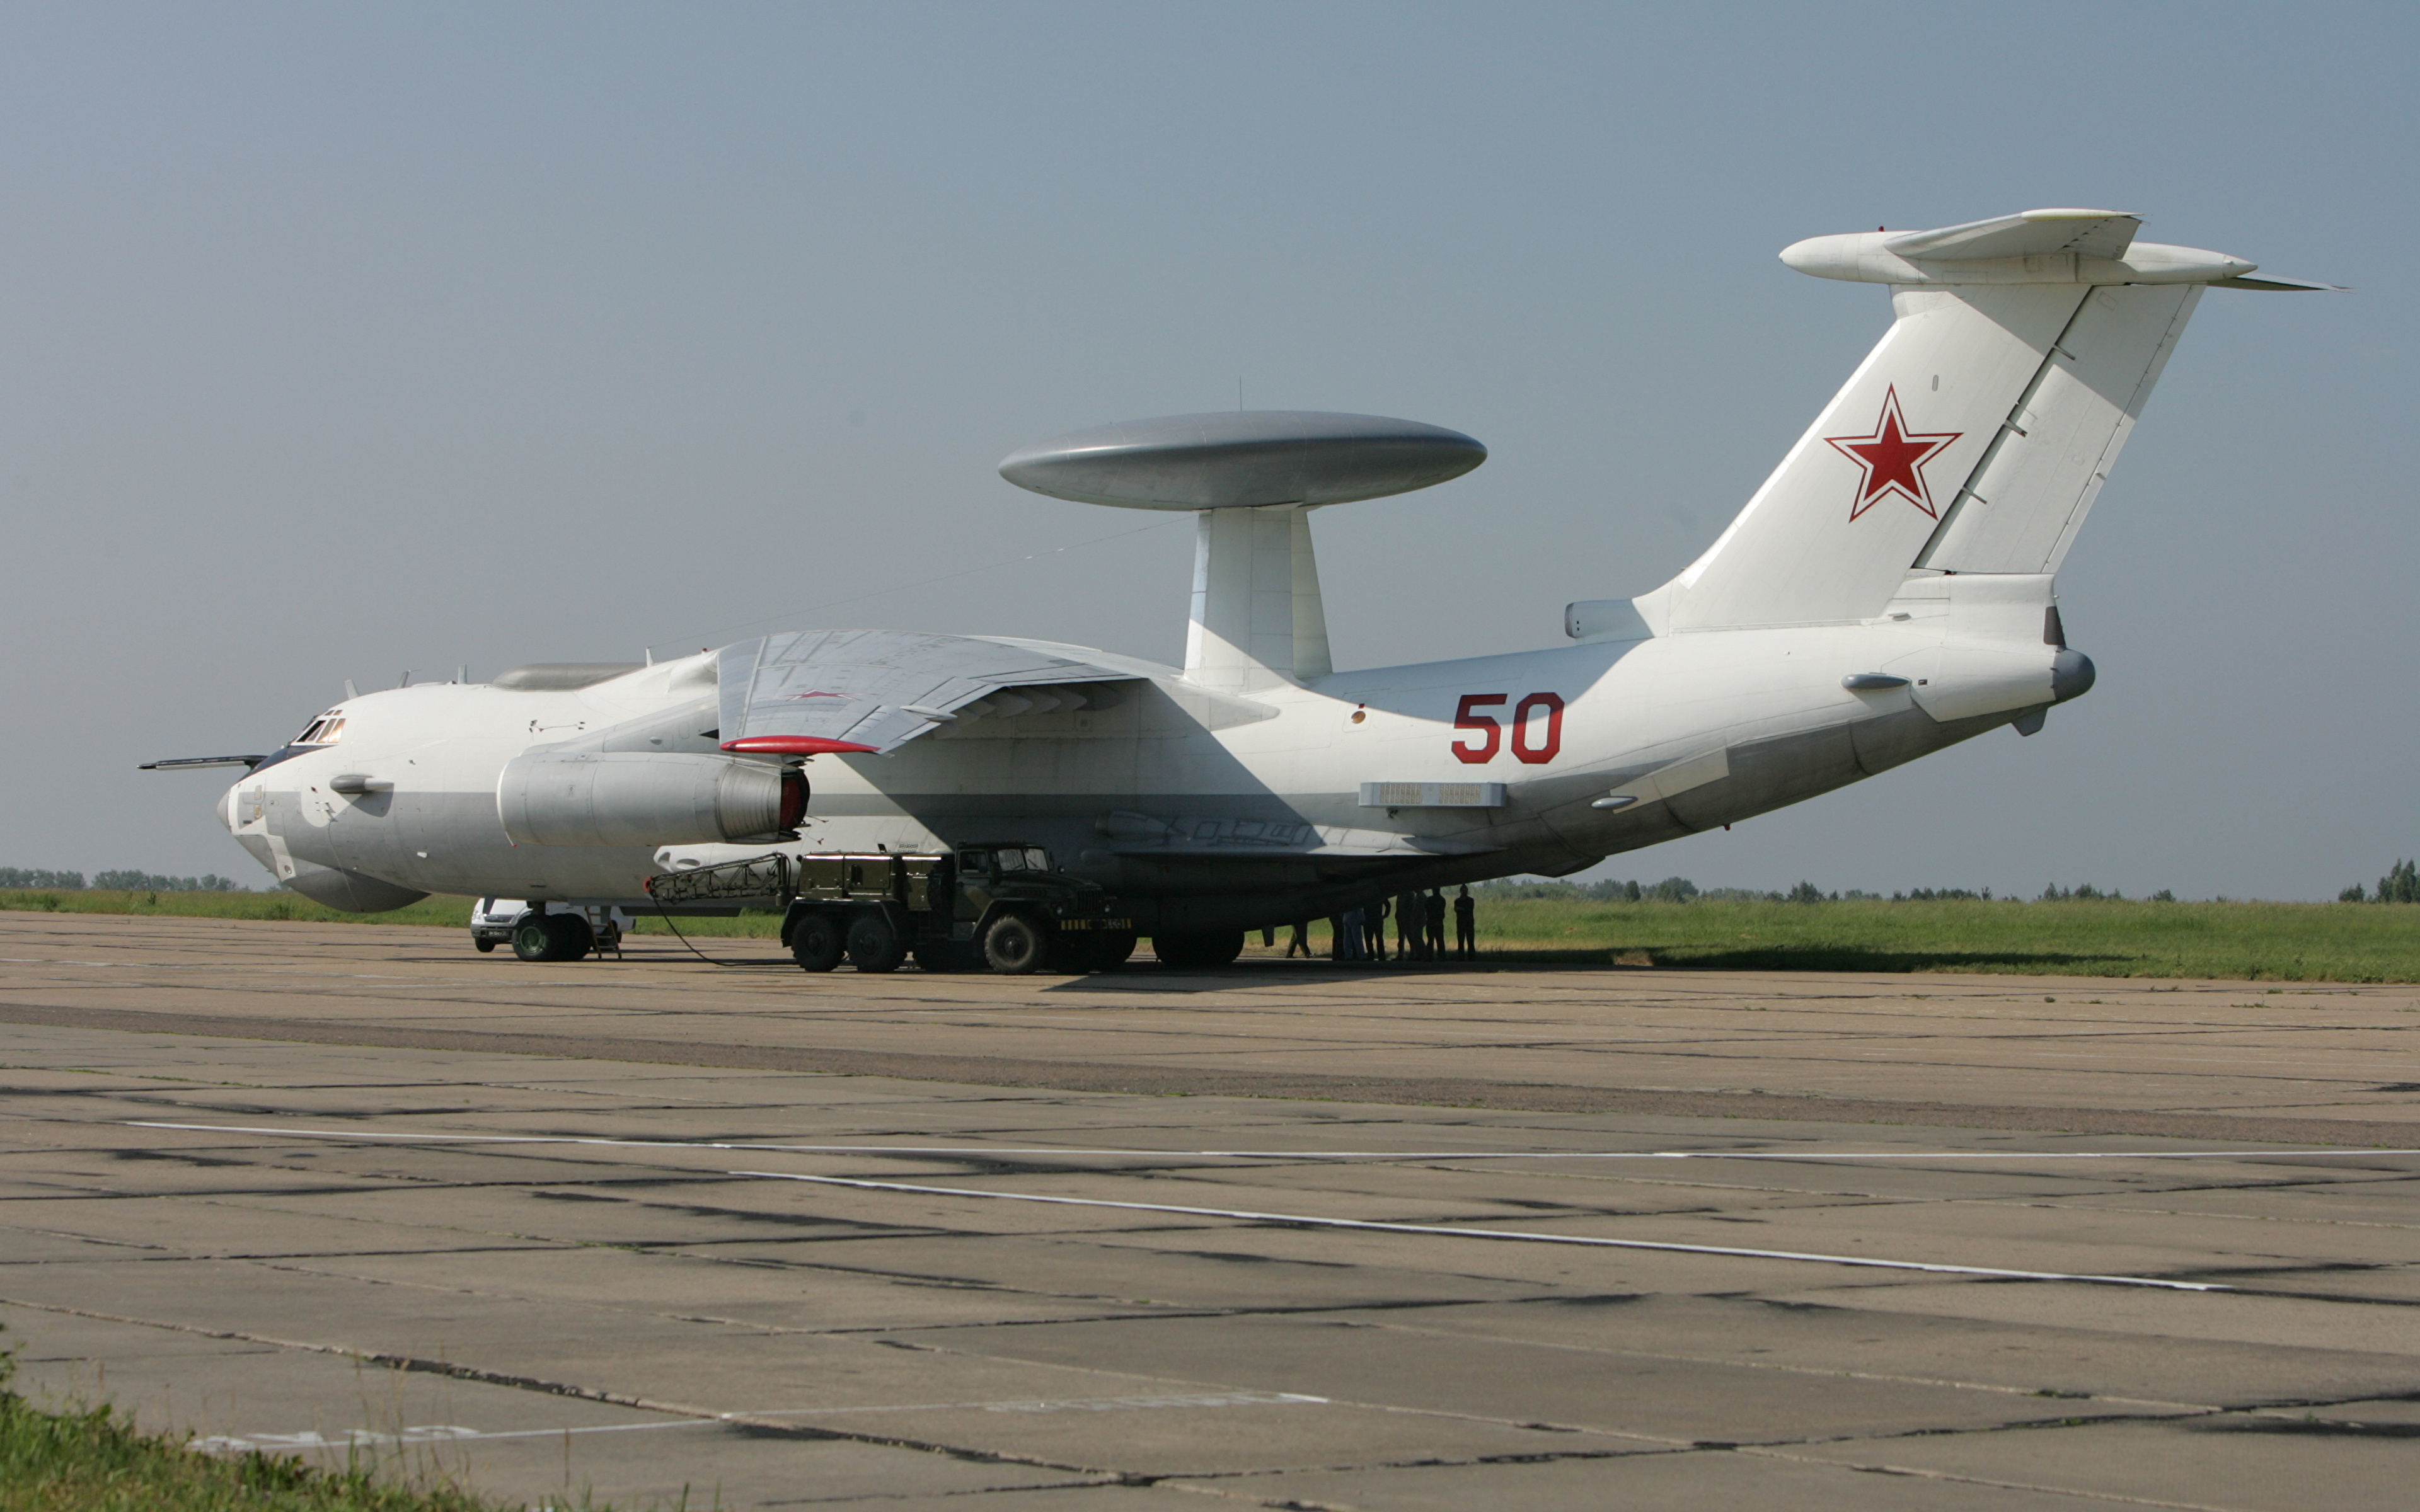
[874, 944]
[1116, 948]
[1012, 946]
[815, 942]
[1198, 948]
[483, 947]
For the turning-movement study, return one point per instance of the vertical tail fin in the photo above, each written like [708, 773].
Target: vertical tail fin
[1975, 435]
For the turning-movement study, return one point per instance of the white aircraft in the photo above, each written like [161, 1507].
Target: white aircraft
[1890, 590]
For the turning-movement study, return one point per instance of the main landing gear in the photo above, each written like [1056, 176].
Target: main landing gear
[543, 936]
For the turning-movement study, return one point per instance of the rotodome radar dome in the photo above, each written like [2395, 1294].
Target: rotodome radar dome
[1233, 459]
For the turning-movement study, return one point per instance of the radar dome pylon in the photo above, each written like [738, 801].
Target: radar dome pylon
[1252, 478]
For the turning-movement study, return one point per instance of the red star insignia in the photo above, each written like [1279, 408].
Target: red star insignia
[1893, 458]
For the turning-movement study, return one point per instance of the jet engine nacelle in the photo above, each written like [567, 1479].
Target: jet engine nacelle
[646, 798]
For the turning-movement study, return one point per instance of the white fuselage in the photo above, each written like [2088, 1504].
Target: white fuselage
[1202, 808]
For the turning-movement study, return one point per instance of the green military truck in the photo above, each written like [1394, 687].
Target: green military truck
[1002, 906]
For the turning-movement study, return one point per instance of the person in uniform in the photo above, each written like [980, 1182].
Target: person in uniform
[1465, 925]
[1300, 944]
[1374, 913]
[1408, 931]
[1436, 911]
[1348, 944]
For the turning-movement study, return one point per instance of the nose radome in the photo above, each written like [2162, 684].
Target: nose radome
[2071, 674]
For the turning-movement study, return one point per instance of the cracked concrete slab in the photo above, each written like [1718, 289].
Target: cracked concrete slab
[631, 1320]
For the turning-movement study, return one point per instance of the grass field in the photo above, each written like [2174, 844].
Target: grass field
[93, 1461]
[446, 911]
[2101, 937]
[2108, 937]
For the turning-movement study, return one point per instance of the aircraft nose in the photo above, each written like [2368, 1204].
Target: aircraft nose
[2071, 675]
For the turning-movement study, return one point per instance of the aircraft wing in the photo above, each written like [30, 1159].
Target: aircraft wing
[178, 763]
[816, 691]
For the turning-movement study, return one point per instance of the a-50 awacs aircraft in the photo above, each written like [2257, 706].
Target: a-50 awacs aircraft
[1887, 592]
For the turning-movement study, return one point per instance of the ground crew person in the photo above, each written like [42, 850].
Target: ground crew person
[1436, 911]
[1465, 925]
[1408, 914]
[1300, 944]
[1375, 913]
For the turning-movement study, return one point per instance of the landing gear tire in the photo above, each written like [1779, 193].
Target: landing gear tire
[1198, 948]
[1012, 946]
[553, 937]
[815, 942]
[874, 944]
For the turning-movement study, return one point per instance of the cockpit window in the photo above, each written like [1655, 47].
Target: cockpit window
[323, 731]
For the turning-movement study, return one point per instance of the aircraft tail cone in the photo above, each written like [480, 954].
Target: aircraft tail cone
[2071, 674]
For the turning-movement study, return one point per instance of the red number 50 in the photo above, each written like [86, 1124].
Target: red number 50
[1544, 751]
[1467, 717]
[1490, 731]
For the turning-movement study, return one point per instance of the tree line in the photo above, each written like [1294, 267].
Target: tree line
[2401, 885]
[20, 876]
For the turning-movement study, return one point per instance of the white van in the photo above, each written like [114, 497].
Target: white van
[559, 933]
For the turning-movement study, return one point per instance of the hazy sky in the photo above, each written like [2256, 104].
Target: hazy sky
[338, 339]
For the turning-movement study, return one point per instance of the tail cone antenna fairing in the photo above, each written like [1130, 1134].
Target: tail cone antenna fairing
[1254, 477]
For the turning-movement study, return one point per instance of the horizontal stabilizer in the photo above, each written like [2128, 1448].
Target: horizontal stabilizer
[2285, 285]
[874, 690]
[2031, 247]
[2029, 234]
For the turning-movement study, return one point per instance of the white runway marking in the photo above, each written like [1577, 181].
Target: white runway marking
[436, 1433]
[1450, 1231]
[1080, 1150]
[448, 1433]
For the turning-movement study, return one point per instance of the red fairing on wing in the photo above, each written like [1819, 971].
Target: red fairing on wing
[793, 745]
